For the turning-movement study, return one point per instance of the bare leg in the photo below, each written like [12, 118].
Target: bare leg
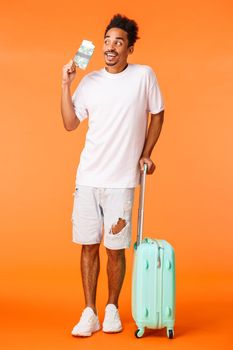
[90, 267]
[116, 272]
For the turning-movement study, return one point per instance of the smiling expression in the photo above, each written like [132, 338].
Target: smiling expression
[115, 48]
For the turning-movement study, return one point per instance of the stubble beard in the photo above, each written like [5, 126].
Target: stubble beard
[110, 64]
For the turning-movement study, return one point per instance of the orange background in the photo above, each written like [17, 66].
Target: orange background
[188, 199]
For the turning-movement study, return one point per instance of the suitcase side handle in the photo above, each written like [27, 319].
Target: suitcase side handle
[141, 205]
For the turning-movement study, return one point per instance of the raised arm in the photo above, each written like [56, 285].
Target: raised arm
[69, 117]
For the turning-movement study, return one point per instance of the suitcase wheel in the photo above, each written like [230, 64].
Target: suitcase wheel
[139, 332]
[170, 333]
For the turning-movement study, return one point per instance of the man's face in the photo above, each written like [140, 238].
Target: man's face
[116, 48]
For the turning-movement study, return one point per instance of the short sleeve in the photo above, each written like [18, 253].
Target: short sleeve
[155, 103]
[79, 104]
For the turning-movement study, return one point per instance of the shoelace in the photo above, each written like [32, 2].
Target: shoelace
[85, 318]
[111, 314]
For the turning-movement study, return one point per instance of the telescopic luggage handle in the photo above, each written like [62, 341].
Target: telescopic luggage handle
[141, 205]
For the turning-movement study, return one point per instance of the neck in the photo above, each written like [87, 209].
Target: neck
[117, 69]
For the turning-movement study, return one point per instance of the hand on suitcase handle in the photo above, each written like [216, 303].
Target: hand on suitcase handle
[141, 204]
[144, 168]
[150, 164]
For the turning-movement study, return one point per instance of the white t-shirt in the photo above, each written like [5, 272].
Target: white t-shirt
[117, 107]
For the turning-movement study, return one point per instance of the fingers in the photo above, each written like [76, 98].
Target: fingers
[69, 67]
[150, 165]
[147, 161]
[141, 163]
[151, 169]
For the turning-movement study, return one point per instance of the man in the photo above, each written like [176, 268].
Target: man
[117, 100]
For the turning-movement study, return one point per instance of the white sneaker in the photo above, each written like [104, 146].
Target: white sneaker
[112, 322]
[88, 324]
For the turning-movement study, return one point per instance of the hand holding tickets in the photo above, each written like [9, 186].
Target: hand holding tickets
[84, 53]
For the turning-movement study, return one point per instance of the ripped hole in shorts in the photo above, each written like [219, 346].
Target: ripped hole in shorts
[118, 227]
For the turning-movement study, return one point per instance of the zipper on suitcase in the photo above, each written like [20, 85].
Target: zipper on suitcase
[159, 283]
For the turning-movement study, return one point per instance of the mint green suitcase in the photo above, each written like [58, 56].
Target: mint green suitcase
[153, 282]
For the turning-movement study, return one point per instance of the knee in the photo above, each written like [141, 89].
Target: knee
[90, 249]
[115, 254]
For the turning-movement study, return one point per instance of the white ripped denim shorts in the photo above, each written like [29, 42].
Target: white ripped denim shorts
[96, 210]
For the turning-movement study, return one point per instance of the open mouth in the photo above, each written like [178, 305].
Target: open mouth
[111, 55]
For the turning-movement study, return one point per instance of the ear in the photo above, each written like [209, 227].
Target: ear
[131, 50]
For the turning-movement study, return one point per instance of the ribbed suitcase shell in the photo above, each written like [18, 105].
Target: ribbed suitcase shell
[153, 286]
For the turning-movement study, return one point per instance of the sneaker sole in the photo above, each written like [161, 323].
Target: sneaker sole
[112, 331]
[86, 334]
